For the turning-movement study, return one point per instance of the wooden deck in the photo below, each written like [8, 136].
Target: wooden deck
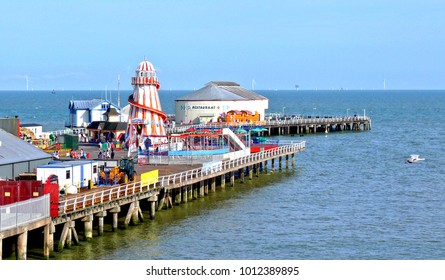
[123, 201]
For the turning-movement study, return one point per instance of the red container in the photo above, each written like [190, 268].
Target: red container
[15, 191]
[9, 192]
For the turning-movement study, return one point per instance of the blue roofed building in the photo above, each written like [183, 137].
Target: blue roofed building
[84, 112]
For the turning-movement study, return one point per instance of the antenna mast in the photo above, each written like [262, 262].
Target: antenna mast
[118, 93]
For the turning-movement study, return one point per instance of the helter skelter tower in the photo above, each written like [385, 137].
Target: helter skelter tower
[146, 119]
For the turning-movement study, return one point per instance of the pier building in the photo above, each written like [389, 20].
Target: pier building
[112, 128]
[146, 118]
[216, 99]
[84, 112]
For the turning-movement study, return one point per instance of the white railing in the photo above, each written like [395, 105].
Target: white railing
[79, 202]
[233, 137]
[24, 212]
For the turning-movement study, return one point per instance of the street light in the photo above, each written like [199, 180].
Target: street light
[347, 112]
[283, 111]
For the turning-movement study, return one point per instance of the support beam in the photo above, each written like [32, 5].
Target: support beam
[213, 184]
[178, 195]
[206, 187]
[161, 199]
[48, 241]
[195, 190]
[74, 232]
[69, 236]
[223, 181]
[201, 189]
[63, 236]
[116, 210]
[152, 211]
[241, 175]
[168, 199]
[129, 214]
[135, 215]
[22, 243]
[184, 194]
[101, 215]
[88, 227]
[190, 192]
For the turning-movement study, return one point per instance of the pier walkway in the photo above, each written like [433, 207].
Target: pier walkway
[125, 203]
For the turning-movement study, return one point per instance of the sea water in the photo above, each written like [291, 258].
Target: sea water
[350, 196]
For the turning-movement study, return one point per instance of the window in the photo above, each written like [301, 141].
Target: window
[68, 174]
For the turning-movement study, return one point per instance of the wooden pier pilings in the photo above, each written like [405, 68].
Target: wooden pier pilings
[78, 213]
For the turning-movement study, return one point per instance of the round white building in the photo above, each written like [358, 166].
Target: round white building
[215, 99]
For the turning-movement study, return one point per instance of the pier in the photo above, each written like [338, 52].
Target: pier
[128, 203]
[291, 126]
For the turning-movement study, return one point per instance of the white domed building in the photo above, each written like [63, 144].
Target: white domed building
[216, 99]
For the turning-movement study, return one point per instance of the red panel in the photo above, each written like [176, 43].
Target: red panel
[24, 191]
[53, 190]
[36, 189]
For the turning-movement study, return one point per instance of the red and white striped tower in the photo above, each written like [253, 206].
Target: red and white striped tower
[146, 118]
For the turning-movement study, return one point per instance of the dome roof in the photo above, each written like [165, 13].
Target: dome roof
[145, 66]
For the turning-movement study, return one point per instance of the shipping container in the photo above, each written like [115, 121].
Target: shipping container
[16, 191]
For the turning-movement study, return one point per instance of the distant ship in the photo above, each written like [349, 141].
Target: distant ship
[297, 87]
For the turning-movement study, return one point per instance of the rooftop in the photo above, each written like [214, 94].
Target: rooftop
[222, 91]
[14, 149]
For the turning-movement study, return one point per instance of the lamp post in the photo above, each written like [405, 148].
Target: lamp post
[283, 111]
[347, 112]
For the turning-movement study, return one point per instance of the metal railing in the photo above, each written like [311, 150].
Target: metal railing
[24, 212]
[108, 194]
[268, 123]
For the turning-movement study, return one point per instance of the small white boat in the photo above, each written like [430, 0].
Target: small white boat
[414, 158]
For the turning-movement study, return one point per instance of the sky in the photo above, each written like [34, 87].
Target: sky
[315, 44]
